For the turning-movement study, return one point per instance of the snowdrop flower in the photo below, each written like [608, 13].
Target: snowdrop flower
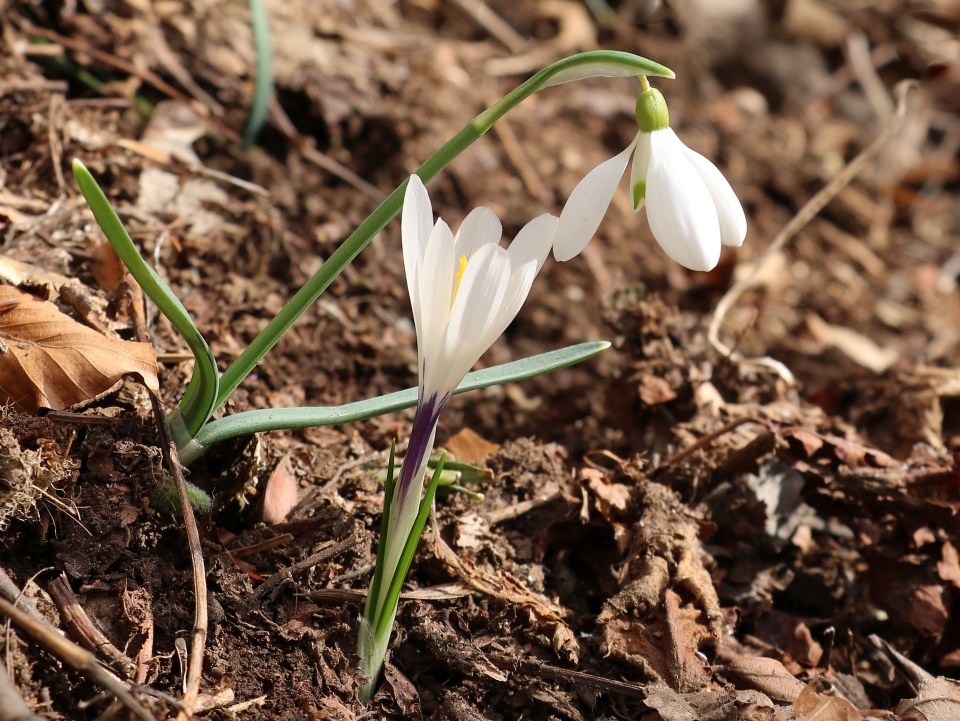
[465, 290]
[691, 208]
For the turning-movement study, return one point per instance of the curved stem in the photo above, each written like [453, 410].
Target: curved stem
[608, 63]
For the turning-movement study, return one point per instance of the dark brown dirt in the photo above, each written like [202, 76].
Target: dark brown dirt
[668, 533]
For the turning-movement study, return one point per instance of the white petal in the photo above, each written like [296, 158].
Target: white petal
[521, 280]
[587, 205]
[638, 171]
[435, 288]
[733, 221]
[680, 209]
[470, 331]
[534, 241]
[481, 226]
[416, 224]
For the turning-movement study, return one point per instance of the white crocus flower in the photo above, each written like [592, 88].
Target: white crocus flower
[691, 208]
[465, 290]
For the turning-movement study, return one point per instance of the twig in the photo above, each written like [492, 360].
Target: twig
[33, 85]
[76, 620]
[75, 657]
[199, 637]
[282, 122]
[325, 553]
[587, 680]
[10, 591]
[706, 440]
[254, 548]
[516, 155]
[12, 705]
[79, 419]
[903, 92]
[145, 75]
[56, 147]
[494, 24]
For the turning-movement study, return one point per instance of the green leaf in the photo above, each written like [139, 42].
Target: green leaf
[273, 419]
[406, 556]
[197, 404]
[370, 608]
[263, 88]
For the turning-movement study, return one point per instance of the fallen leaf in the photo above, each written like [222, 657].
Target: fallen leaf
[49, 360]
[812, 705]
[937, 700]
[106, 267]
[857, 347]
[670, 705]
[654, 390]
[927, 611]
[802, 647]
[764, 674]
[469, 447]
[949, 567]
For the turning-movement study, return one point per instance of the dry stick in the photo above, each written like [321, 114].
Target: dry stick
[12, 705]
[199, 637]
[325, 553]
[76, 620]
[75, 657]
[494, 24]
[56, 147]
[10, 591]
[903, 92]
[583, 679]
[282, 122]
[147, 76]
[705, 440]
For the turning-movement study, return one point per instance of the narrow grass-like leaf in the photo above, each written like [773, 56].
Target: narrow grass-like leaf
[197, 404]
[377, 582]
[273, 419]
[263, 85]
[406, 556]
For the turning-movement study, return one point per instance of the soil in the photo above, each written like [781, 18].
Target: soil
[668, 532]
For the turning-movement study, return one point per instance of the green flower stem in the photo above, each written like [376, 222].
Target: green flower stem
[596, 63]
[197, 404]
[368, 609]
[377, 622]
[273, 419]
[388, 610]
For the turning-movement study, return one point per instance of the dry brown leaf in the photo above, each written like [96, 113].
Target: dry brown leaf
[927, 611]
[938, 700]
[49, 360]
[857, 347]
[670, 705]
[469, 447]
[814, 706]
[764, 674]
[949, 567]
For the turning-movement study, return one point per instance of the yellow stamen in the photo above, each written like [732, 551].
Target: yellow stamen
[459, 276]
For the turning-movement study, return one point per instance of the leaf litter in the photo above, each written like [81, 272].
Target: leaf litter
[667, 534]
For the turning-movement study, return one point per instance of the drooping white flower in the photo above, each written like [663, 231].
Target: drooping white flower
[465, 290]
[691, 208]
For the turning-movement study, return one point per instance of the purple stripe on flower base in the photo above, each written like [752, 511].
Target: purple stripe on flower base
[419, 447]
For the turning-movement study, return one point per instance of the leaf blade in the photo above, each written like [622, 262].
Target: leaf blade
[269, 419]
[49, 360]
